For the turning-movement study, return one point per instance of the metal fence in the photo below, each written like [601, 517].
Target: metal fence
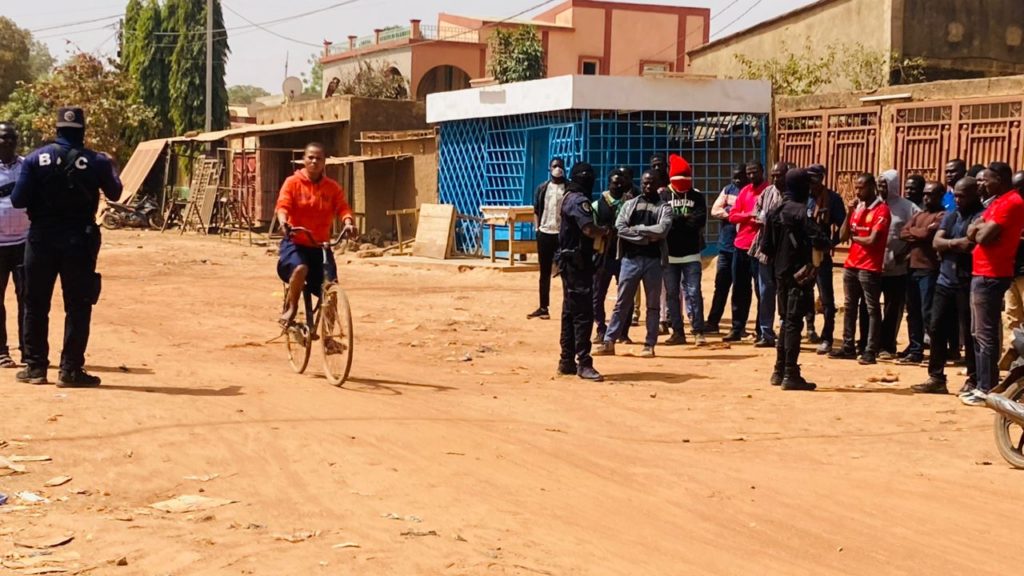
[499, 161]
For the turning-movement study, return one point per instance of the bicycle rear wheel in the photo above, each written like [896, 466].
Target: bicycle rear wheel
[1009, 434]
[299, 341]
[336, 334]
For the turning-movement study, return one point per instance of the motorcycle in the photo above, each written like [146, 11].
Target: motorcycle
[1007, 400]
[144, 214]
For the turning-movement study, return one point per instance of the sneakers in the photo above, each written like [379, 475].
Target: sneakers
[77, 379]
[647, 352]
[676, 339]
[541, 313]
[867, 358]
[843, 354]
[973, 398]
[776, 378]
[733, 337]
[931, 386]
[797, 382]
[712, 329]
[824, 348]
[588, 373]
[604, 349]
[765, 343]
[968, 387]
[701, 340]
[598, 337]
[813, 338]
[31, 376]
[912, 359]
[886, 355]
[664, 328]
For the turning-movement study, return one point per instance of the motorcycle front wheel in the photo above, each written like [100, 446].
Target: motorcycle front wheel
[1009, 434]
[110, 221]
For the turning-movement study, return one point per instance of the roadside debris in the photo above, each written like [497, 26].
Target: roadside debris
[345, 545]
[42, 543]
[299, 536]
[190, 503]
[57, 481]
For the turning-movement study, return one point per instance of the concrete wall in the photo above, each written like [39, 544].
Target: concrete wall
[468, 57]
[965, 38]
[629, 49]
[867, 22]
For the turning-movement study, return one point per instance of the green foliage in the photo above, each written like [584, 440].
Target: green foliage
[129, 41]
[516, 55]
[188, 65]
[374, 80]
[40, 61]
[314, 81]
[153, 66]
[15, 49]
[242, 94]
[116, 121]
[844, 66]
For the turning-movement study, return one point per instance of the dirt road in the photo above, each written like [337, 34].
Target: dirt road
[434, 464]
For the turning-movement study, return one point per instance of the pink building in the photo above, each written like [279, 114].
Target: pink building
[587, 37]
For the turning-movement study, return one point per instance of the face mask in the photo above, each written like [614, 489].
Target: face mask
[558, 172]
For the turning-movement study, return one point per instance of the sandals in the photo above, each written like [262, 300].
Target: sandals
[7, 362]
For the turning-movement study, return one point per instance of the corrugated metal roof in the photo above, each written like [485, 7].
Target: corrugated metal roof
[257, 129]
[139, 165]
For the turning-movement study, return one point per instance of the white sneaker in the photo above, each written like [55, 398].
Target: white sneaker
[973, 398]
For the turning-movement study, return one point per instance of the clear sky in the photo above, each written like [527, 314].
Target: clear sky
[258, 57]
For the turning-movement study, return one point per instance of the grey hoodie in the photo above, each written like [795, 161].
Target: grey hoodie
[902, 210]
[645, 234]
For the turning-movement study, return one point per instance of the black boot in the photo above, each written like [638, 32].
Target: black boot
[792, 380]
[777, 376]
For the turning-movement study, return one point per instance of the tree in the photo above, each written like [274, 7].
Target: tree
[116, 120]
[241, 94]
[791, 74]
[153, 65]
[188, 66]
[374, 80]
[40, 61]
[15, 47]
[516, 55]
[129, 41]
[314, 81]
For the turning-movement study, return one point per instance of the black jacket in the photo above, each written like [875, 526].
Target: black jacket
[789, 237]
[686, 237]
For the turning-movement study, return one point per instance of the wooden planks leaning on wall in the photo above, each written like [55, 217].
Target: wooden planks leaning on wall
[435, 231]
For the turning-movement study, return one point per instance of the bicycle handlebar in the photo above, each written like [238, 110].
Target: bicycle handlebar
[309, 234]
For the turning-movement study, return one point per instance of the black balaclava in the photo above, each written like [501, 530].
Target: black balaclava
[798, 185]
[582, 175]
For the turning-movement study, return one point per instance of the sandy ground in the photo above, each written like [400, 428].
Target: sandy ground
[686, 464]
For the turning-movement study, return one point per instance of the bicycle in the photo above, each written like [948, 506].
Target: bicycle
[329, 320]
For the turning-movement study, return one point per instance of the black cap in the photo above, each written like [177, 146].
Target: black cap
[70, 117]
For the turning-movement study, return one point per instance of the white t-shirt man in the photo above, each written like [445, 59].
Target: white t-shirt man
[13, 221]
[551, 218]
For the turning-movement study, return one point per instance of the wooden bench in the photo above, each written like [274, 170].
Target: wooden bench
[510, 217]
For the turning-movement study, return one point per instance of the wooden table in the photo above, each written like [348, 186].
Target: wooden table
[508, 216]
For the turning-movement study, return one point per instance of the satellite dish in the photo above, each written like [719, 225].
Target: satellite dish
[253, 108]
[291, 88]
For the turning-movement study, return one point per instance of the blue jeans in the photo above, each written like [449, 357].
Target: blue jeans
[827, 293]
[723, 283]
[744, 274]
[766, 301]
[986, 308]
[920, 294]
[633, 271]
[686, 277]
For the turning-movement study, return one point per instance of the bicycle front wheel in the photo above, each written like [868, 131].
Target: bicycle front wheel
[336, 334]
[299, 342]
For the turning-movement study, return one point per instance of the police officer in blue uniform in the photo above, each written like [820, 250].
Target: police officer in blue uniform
[576, 234]
[60, 186]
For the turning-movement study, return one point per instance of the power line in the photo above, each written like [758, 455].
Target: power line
[269, 31]
[80, 22]
[740, 17]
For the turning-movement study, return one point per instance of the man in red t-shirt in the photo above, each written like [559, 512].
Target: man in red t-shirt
[308, 199]
[996, 233]
[867, 228]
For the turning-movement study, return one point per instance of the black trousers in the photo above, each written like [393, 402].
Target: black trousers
[863, 289]
[892, 303]
[11, 260]
[723, 283]
[744, 282]
[577, 314]
[951, 309]
[71, 255]
[793, 303]
[547, 245]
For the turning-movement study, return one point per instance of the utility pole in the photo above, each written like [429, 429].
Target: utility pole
[209, 65]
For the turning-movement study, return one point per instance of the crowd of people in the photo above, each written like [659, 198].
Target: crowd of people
[947, 255]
